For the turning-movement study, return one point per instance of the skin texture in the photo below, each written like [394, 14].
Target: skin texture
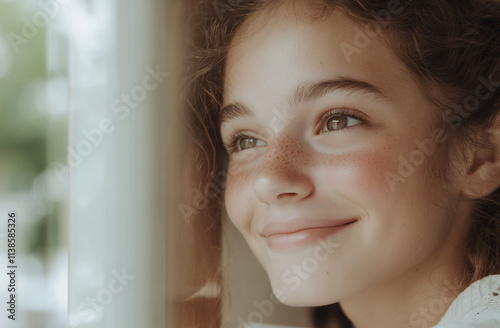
[407, 244]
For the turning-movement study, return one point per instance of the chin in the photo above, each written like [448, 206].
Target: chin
[306, 294]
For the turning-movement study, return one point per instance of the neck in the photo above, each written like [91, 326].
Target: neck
[418, 297]
[417, 300]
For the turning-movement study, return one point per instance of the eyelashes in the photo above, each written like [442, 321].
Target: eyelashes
[239, 139]
[338, 120]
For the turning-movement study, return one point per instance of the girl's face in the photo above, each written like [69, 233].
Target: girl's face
[330, 143]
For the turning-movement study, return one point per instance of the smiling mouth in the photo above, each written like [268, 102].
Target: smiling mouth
[296, 238]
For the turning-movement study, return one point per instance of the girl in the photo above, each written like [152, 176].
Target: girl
[359, 148]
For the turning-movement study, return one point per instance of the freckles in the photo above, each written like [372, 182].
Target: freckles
[289, 151]
[286, 160]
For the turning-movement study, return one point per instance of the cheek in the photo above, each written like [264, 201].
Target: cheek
[360, 174]
[392, 209]
[403, 213]
[239, 198]
[389, 172]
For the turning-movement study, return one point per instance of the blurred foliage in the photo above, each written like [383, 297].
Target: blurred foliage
[22, 124]
[31, 135]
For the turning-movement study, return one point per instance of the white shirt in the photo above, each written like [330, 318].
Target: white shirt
[478, 306]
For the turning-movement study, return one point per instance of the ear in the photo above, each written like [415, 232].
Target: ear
[483, 176]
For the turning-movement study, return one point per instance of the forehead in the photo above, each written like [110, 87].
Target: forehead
[271, 55]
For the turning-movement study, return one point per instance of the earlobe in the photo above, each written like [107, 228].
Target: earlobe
[483, 176]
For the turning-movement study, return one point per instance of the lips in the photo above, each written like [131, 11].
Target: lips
[301, 232]
[297, 225]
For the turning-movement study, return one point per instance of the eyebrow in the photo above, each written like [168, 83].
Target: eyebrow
[308, 92]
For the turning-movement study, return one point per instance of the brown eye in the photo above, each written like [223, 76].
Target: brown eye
[249, 142]
[336, 122]
[339, 122]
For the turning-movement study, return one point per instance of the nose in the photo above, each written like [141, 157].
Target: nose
[283, 176]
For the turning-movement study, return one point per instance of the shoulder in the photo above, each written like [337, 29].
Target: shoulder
[477, 306]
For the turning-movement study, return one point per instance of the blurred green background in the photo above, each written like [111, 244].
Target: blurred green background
[33, 135]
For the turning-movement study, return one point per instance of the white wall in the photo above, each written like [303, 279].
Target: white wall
[117, 218]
